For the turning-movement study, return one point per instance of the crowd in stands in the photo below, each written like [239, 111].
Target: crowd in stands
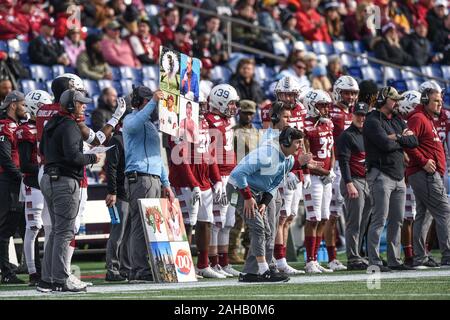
[119, 33]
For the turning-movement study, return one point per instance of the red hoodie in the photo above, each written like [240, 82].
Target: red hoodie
[430, 146]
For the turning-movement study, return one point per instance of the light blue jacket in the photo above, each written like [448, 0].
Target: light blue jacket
[263, 169]
[142, 144]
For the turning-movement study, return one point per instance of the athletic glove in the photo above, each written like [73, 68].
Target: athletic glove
[121, 108]
[224, 198]
[306, 181]
[217, 189]
[292, 181]
[195, 196]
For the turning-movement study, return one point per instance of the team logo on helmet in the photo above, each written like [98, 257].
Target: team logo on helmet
[220, 98]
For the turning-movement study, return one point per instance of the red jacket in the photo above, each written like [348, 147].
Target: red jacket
[13, 25]
[306, 21]
[430, 146]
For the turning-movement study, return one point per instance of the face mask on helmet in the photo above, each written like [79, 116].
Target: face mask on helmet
[345, 91]
[289, 98]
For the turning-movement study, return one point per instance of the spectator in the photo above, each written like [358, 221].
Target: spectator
[144, 44]
[170, 22]
[310, 59]
[107, 104]
[246, 35]
[201, 49]
[333, 21]
[388, 47]
[396, 15]
[310, 23]
[368, 91]
[5, 88]
[34, 14]
[289, 23]
[74, 45]
[45, 49]
[418, 44]
[205, 80]
[423, 7]
[355, 25]
[96, 14]
[117, 51]
[244, 82]
[335, 68]
[297, 69]
[319, 79]
[64, 20]
[436, 17]
[91, 64]
[13, 24]
[130, 20]
[269, 17]
[217, 48]
[182, 41]
[441, 41]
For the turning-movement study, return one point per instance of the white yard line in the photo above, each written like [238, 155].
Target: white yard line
[124, 288]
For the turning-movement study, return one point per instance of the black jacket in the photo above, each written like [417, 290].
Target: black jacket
[249, 91]
[419, 47]
[351, 154]
[62, 147]
[385, 51]
[44, 52]
[381, 152]
[115, 167]
[101, 115]
[27, 166]
[434, 24]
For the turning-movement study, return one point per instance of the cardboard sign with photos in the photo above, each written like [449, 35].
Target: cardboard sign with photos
[168, 114]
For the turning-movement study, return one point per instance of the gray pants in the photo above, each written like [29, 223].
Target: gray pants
[262, 230]
[388, 196]
[357, 217]
[117, 249]
[430, 195]
[63, 199]
[144, 187]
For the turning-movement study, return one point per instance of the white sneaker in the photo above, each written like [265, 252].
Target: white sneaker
[208, 272]
[287, 269]
[229, 269]
[311, 267]
[197, 276]
[322, 269]
[336, 265]
[217, 268]
[77, 281]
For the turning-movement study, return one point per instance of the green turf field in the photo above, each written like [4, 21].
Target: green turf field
[424, 284]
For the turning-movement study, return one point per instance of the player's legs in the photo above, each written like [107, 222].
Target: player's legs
[189, 216]
[407, 228]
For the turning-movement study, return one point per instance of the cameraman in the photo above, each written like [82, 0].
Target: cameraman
[62, 147]
[145, 172]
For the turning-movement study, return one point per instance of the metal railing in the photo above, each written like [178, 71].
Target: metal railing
[230, 44]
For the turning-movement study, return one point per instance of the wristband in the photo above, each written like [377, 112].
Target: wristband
[246, 193]
[266, 198]
[100, 136]
[91, 136]
[113, 122]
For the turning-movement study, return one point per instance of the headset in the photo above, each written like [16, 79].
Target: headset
[286, 136]
[276, 110]
[425, 97]
[71, 104]
[136, 100]
[382, 98]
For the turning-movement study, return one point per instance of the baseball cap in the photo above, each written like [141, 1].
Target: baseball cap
[247, 106]
[299, 46]
[144, 92]
[419, 22]
[439, 3]
[331, 5]
[49, 22]
[181, 29]
[170, 97]
[391, 93]
[361, 108]
[388, 26]
[13, 96]
[113, 25]
[77, 96]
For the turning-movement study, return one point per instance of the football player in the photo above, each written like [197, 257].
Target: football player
[222, 103]
[317, 194]
[345, 95]
[29, 190]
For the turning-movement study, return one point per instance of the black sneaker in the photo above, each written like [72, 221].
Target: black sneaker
[377, 268]
[429, 263]
[357, 266]
[44, 286]
[11, 279]
[445, 265]
[269, 276]
[34, 279]
[114, 277]
[248, 277]
[402, 267]
[142, 279]
[385, 264]
[409, 262]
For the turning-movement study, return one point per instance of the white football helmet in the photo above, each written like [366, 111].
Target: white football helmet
[35, 99]
[289, 85]
[76, 83]
[314, 97]
[409, 103]
[344, 83]
[221, 96]
[431, 84]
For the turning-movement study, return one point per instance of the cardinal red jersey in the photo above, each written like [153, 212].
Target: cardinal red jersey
[320, 137]
[221, 133]
[27, 133]
[8, 128]
[342, 119]
[298, 115]
[441, 125]
[195, 171]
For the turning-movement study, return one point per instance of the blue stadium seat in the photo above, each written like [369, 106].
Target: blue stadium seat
[355, 72]
[130, 73]
[3, 46]
[447, 99]
[412, 84]
[48, 85]
[150, 72]
[92, 87]
[371, 73]
[320, 47]
[152, 84]
[432, 71]
[102, 84]
[263, 73]
[340, 46]
[152, 10]
[322, 59]
[445, 72]
[280, 48]
[41, 72]
[407, 75]
[220, 74]
[25, 59]
[348, 60]
[127, 86]
[391, 73]
[400, 85]
[58, 70]
[30, 85]
[115, 73]
[359, 46]
[69, 69]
